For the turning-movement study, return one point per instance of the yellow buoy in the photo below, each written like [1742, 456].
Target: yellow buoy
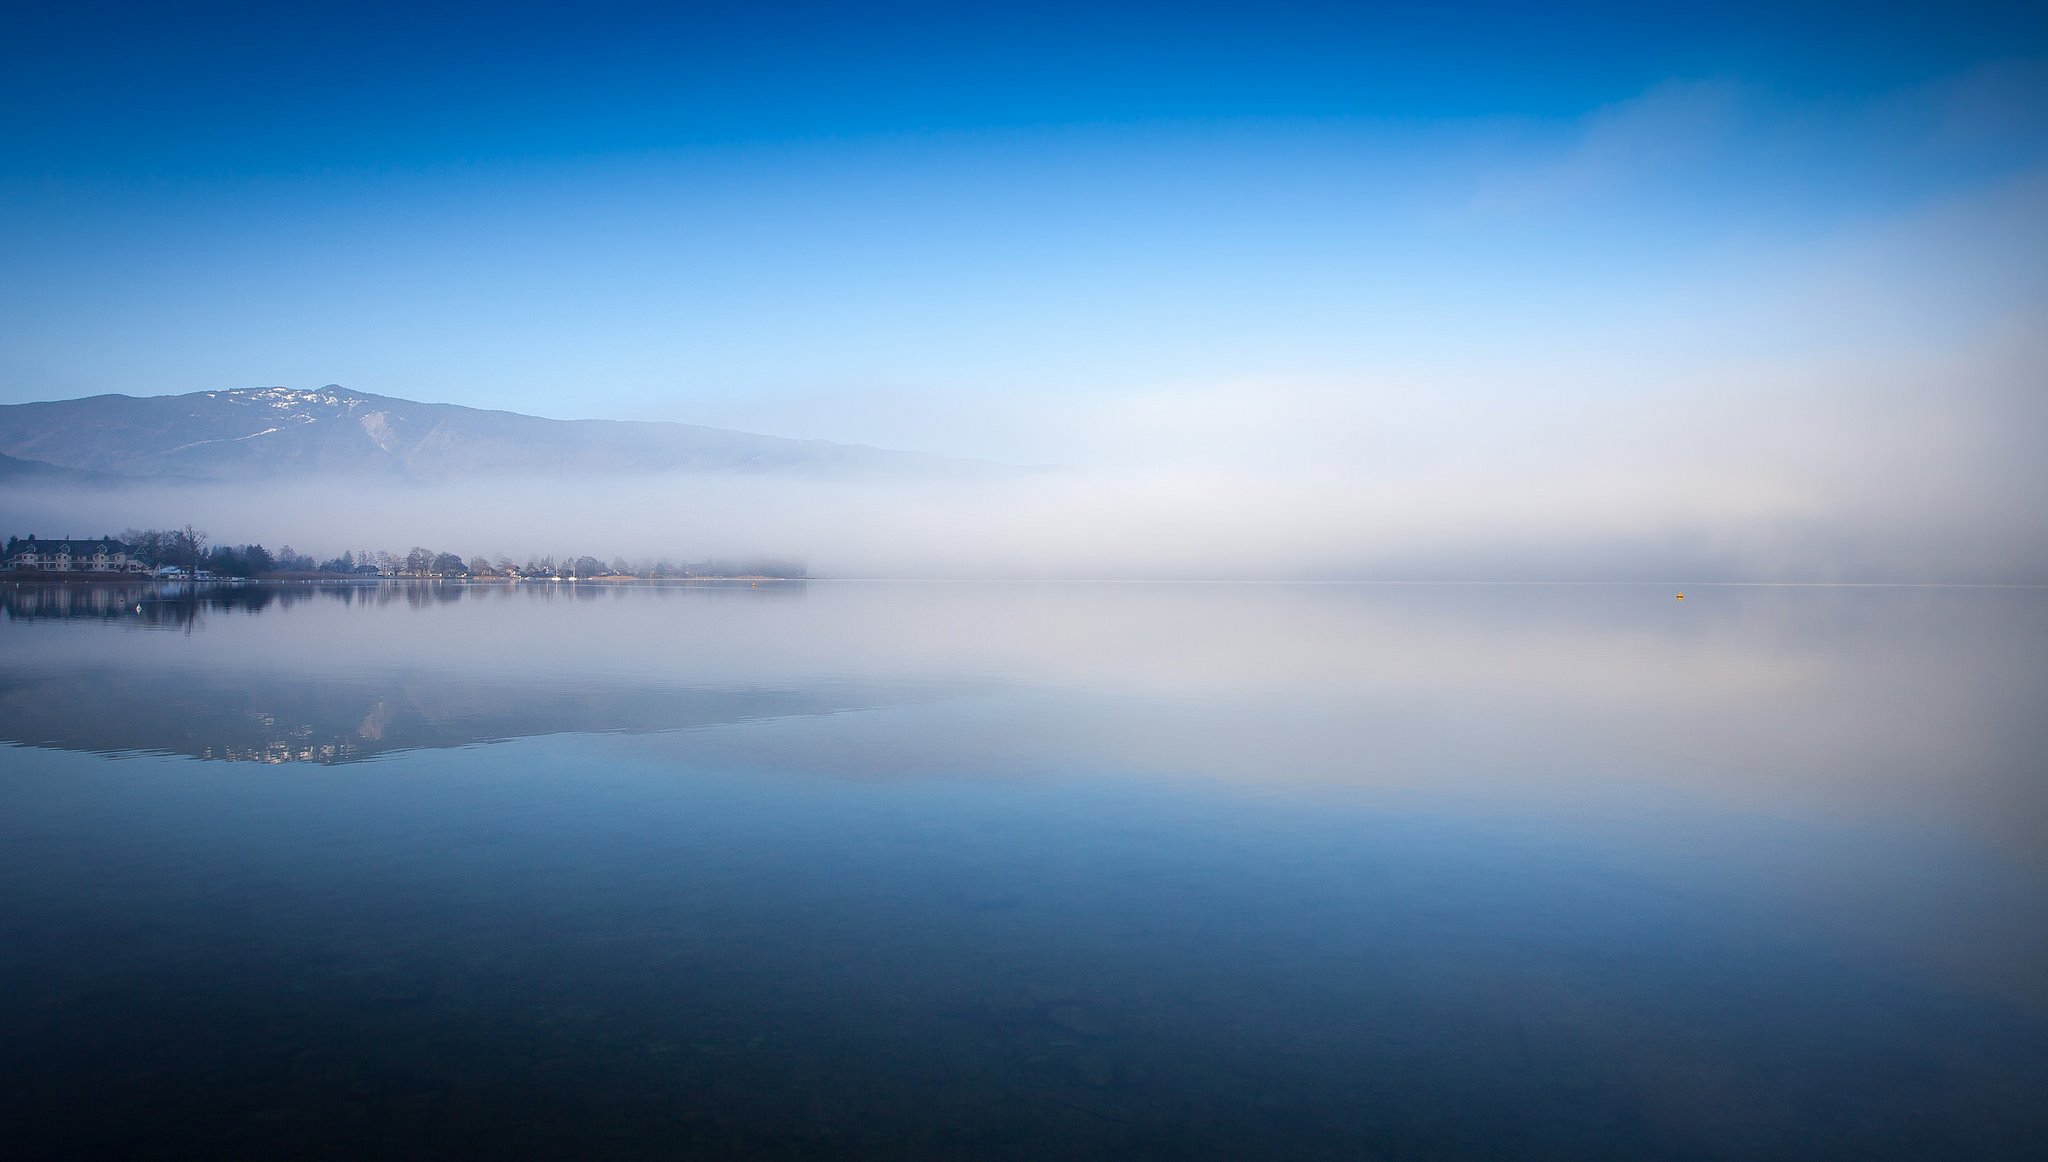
[1681, 597]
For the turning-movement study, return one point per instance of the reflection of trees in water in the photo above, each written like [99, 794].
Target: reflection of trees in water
[179, 604]
[147, 605]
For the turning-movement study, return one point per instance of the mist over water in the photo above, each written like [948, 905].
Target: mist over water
[1948, 507]
[1883, 468]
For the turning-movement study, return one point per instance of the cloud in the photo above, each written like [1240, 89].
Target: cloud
[1658, 133]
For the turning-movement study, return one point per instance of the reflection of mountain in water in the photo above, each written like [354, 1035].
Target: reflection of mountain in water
[271, 718]
[268, 717]
[208, 706]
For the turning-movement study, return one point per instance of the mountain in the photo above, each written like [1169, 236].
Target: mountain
[270, 433]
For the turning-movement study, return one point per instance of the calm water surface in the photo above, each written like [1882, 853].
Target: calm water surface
[1024, 871]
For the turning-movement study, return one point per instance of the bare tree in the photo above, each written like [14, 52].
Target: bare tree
[192, 545]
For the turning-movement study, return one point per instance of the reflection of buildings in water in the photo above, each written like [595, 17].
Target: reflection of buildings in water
[283, 753]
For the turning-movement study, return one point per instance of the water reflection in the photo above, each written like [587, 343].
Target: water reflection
[290, 704]
[331, 719]
[181, 604]
[153, 605]
[1857, 703]
[1030, 870]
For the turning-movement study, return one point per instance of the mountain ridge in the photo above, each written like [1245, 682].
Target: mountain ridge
[261, 433]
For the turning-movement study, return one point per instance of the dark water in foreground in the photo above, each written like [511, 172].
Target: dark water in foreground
[1025, 871]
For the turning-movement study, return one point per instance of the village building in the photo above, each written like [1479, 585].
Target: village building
[38, 555]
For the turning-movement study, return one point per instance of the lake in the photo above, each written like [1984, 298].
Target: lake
[1024, 870]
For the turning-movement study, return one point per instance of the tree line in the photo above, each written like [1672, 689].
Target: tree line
[188, 548]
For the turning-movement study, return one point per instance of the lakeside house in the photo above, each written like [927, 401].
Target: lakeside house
[38, 555]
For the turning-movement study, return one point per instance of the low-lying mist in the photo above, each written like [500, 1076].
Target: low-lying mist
[1891, 468]
[1311, 525]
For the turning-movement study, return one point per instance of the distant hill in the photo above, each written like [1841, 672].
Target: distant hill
[281, 433]
[25, 472]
